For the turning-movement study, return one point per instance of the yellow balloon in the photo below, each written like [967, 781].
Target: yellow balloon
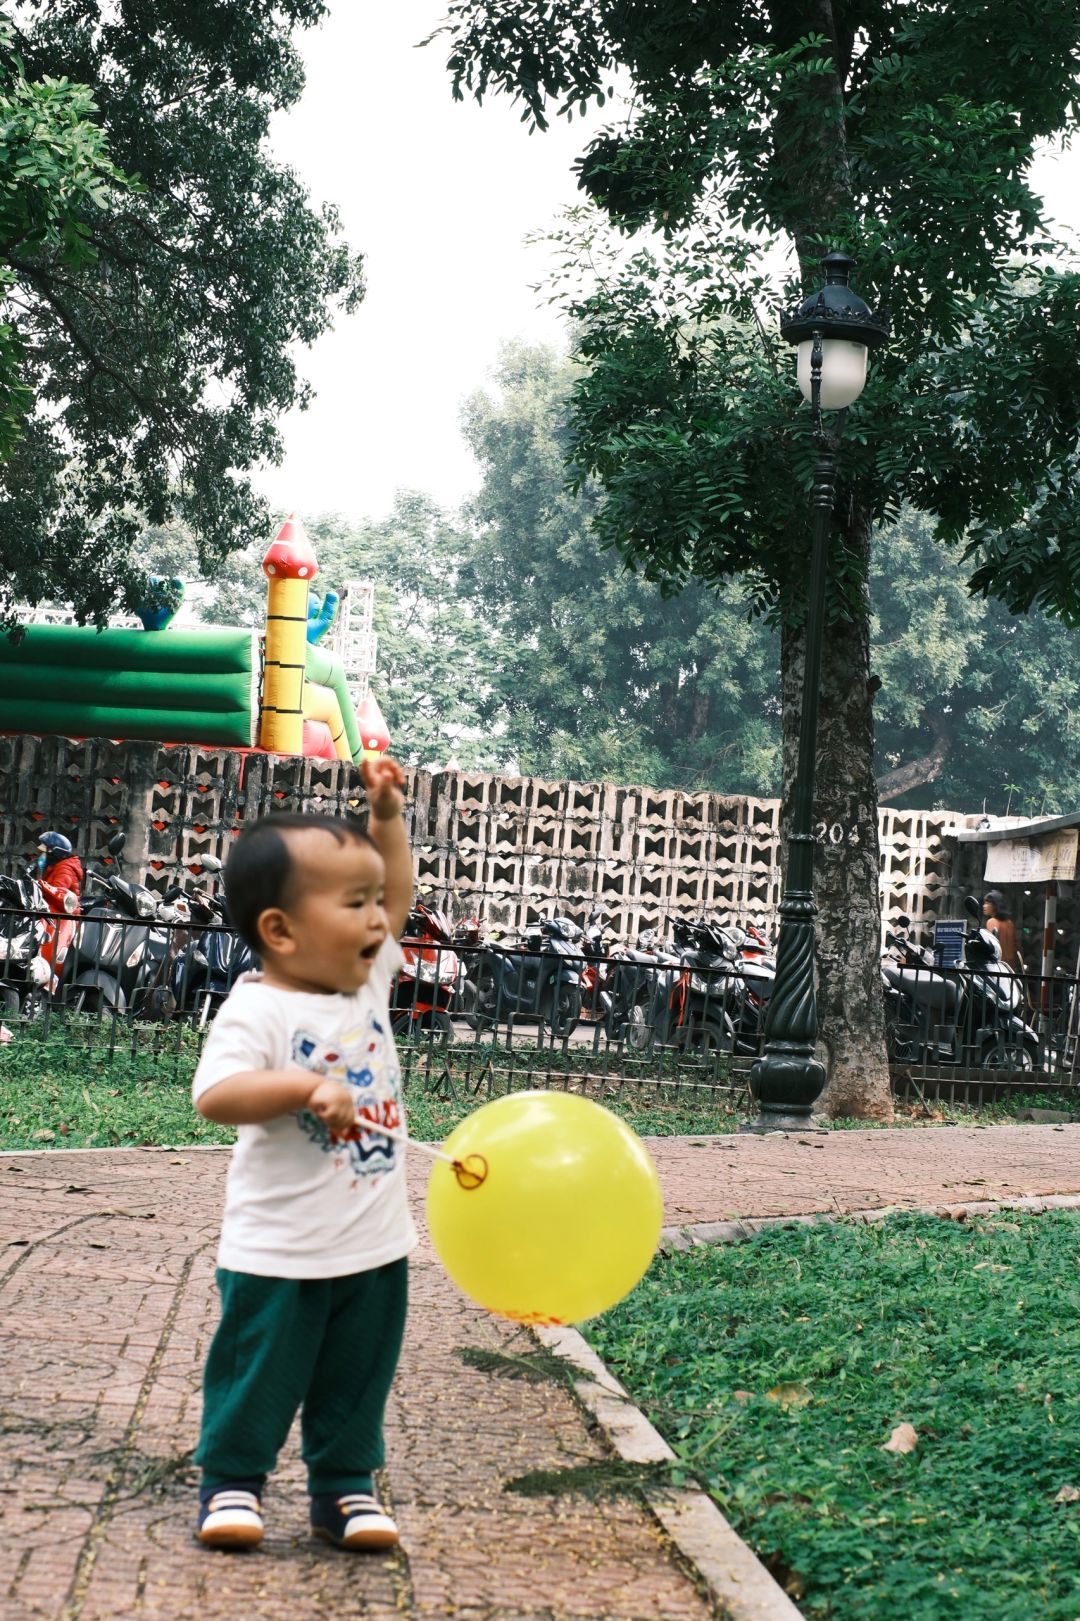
[566, 1219]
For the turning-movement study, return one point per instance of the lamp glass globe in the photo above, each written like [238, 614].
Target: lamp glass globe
[843, 371]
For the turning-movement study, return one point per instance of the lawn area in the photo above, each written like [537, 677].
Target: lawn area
[56, 1093]
[61, 1087]
[778, 1369]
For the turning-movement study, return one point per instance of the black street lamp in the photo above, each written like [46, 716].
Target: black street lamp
[834, 330]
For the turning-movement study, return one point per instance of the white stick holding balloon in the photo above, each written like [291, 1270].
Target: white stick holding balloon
[470, 1171]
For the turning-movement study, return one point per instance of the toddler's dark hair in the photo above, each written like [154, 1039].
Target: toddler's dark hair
[260, 865]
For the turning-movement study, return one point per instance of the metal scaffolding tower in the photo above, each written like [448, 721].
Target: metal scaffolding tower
[352, 637]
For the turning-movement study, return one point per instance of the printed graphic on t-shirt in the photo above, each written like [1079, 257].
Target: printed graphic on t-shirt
[366, 1062]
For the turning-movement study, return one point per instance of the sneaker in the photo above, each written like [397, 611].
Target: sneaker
[229, 1518]
[353, 1520]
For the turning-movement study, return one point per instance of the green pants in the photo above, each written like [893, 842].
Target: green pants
[328, 1346]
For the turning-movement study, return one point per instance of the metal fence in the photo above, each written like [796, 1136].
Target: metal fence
[469, 1017]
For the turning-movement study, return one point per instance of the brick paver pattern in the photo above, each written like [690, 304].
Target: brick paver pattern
[106, 1307]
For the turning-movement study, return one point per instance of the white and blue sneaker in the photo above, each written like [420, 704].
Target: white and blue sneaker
[229, 1517]
[353, 1520]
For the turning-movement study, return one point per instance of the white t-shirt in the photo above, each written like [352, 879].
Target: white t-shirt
[296, 1204]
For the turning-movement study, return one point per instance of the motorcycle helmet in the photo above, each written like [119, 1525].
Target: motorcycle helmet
[52, 847]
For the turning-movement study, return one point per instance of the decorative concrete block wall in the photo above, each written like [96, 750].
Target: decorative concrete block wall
[173, 803]
[508, 848]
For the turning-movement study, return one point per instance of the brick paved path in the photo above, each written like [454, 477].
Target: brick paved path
[710, 1178]
[105, 1308]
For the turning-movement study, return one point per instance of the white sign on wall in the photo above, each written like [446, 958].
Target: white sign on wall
[1032, 861]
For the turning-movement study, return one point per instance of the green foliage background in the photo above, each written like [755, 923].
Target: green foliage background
[158, 270]
[509, 638]
[902, 130]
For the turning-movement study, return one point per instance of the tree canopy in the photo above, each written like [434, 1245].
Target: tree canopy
[152, 313]
[903, 131]
[899, 131]
[600, 675]
[978, 708]
[53, 168]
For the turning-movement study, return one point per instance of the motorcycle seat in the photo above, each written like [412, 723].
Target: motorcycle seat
[927, 989]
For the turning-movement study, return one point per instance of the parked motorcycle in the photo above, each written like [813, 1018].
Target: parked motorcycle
[539, 980]
[597, 970]
[631, 985]
[693, 1001]
[214, 957]
[709, 988]
[468, 933]
[753, 975]
[126, 944]
[426, 987]
[969, 1015]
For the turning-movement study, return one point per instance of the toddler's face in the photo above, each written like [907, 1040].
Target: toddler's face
[333, 922]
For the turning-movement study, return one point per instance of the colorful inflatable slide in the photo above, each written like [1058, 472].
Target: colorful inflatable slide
[202, 683]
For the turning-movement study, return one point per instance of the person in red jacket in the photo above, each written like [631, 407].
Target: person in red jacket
[60, 873]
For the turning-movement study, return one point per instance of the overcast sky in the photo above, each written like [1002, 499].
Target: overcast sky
[438, 195]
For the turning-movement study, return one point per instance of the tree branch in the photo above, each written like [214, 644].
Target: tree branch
[45, 286]
[926, 768]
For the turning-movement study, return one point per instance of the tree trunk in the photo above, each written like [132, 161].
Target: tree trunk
[850, 1005]
[851, 1013]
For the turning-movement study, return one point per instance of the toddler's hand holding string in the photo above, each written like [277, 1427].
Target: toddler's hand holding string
[334, 1104]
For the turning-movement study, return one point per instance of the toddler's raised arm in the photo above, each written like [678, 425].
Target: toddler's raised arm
[384, 781]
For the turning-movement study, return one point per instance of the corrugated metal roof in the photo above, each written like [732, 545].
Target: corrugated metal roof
[1016, 829]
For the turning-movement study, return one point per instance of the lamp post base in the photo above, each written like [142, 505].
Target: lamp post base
[787, 1079]
[769, 1121]
[785, 1085]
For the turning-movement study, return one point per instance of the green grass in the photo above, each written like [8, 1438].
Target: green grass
[65, 1082]
[431, 1118]
[58, 1094]
[778, 1369]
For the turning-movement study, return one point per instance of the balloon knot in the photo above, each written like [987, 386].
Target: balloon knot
[470, 1171]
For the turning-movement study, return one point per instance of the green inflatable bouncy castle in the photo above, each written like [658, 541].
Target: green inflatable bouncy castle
[196, 685]
[220, 685]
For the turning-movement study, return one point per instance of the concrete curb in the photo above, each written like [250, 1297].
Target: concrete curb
[703, 1233]
[737, 1583]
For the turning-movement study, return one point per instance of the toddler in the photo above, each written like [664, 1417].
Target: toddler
[312, 1260]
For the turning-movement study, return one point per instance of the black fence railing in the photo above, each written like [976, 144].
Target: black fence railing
[468, 1012]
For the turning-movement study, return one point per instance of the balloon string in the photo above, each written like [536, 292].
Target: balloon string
[400, 1137]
